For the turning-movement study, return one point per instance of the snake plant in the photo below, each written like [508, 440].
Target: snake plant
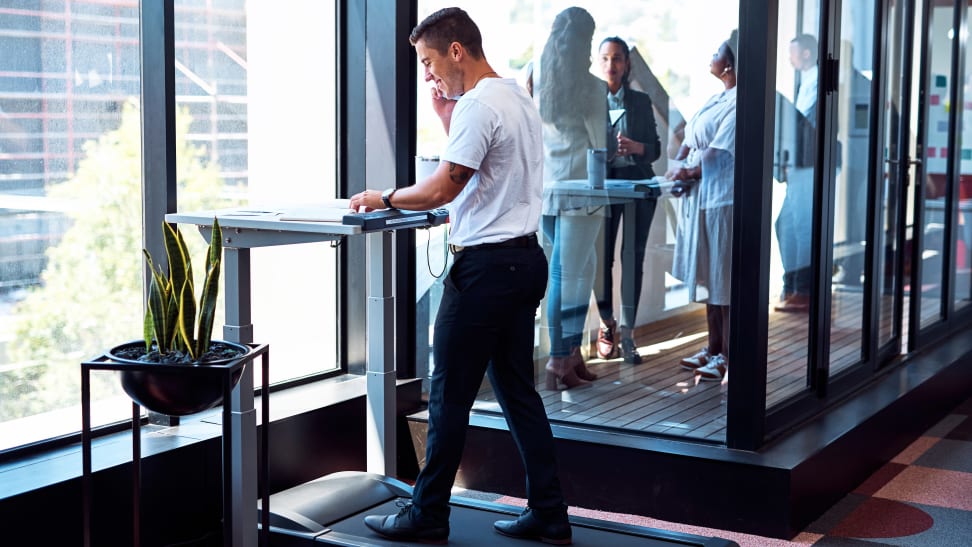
[171, 313]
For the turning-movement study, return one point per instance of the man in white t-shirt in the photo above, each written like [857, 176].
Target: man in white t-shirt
[491, 175]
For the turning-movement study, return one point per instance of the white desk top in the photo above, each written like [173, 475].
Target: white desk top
[246, 227]
[318, 220]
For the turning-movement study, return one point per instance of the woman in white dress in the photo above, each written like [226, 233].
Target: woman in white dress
[703, 245]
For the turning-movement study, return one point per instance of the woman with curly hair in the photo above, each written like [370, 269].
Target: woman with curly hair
[573, 108]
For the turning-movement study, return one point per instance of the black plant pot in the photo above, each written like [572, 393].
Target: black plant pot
[177, 389]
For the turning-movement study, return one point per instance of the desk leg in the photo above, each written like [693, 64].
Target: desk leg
[382, 445]
[239, 321]
[86, 478]
[628, 261]
[243, 442]
[136, 474]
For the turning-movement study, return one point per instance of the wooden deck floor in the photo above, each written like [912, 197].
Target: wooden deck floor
[657, 396]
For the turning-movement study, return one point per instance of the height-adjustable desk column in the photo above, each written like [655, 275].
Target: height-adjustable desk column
[381, 375]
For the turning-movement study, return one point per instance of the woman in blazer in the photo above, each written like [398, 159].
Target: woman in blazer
[638, 146]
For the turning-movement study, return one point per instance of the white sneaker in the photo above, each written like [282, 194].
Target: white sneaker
[714, 371]
[696, 361]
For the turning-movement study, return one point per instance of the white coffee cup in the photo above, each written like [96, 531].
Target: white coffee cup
[596, 167]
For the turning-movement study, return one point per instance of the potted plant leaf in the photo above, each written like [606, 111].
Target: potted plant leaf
[178, 331]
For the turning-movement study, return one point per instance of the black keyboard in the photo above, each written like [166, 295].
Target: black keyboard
[394, 219]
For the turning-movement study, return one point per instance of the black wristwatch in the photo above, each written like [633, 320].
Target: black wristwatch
[386, 197]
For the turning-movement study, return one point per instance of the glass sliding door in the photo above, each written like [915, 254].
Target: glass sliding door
[795, 160]
[962, 249]
[935, 153]
[900, 130]
[851, 200]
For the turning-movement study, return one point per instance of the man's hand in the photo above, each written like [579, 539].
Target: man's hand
[369, 199]
[443, 106]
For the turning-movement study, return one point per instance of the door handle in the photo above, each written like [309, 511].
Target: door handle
[907, 161]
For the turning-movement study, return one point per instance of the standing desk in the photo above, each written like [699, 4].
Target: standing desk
[246, 228]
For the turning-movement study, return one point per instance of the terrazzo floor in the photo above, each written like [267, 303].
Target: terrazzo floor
[922, 497]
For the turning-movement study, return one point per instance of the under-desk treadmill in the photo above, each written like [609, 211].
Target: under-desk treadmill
[331, 510]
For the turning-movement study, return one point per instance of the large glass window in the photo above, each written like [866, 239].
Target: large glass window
[255, 124]
[279, 129]
[629, 289]
[70, 233]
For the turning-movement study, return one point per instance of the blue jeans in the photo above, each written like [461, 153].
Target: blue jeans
[575, 240]
[485, 325]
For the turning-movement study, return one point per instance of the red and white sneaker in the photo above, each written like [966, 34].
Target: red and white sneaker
[606, 348]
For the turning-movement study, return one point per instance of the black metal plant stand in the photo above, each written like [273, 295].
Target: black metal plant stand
[227, 372]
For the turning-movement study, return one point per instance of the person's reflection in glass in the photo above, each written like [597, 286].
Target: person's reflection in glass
[703, 241]
[574, 114]
[795, 223]
[638, 146]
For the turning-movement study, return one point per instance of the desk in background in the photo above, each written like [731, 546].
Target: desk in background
[573, 194]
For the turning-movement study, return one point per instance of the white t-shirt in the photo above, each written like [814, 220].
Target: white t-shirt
[496, 129]
[807, 94]
[714, 126]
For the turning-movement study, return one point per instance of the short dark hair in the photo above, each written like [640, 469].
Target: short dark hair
[807, 42]
[446, 26]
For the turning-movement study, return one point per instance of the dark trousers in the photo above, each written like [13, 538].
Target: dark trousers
[797, 282]
[604, 290]
[485, 325]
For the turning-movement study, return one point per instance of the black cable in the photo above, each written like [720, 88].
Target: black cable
[428, 256]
